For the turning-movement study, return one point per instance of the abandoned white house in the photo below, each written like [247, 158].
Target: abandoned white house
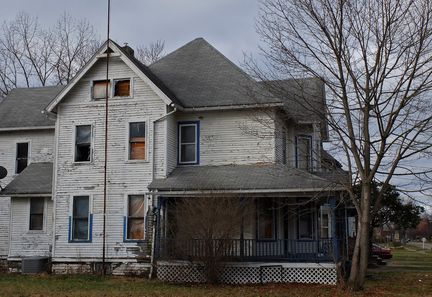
[182, 127]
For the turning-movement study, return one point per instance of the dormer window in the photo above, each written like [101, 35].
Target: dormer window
[99, 89]
[122, 88]
[304, 152]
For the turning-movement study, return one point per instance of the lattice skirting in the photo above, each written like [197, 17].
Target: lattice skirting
[249, 273]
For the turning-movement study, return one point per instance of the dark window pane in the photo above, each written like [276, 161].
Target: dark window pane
[135, 228]
[21, 165]
[303, 153]
[99, 89]
[82, 153]
[137, 129]
[266, 219]
[81, 207]
[36, 222]
[22, 150]
[187, 134]
[305, 227]
[187, 153]
[80, 229]
[122, 88]
[83, 134]
[21, 157]
[36, 205]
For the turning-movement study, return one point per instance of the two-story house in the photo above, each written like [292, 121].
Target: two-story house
[185, 127]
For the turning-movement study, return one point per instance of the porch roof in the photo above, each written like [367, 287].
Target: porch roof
[36, 179]
[262, 177]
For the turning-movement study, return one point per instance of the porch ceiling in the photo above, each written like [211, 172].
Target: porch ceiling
[260, 178]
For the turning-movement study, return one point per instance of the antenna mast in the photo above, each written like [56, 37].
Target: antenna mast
[107, 84]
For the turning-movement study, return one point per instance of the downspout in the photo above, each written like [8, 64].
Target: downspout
[155, 221]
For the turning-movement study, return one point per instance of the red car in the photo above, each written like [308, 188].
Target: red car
[382, 252]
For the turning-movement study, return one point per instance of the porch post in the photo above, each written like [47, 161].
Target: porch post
[335, 243]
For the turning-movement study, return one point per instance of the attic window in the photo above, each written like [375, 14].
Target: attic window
[99, 89]
[122, 88]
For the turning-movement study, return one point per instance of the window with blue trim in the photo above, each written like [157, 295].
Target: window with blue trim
[80, 219]
[188, 150]
[135, 218]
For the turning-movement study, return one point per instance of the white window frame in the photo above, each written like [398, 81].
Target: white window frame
[90, 213]
[145, 120]
[131, 87]
[45, 210]
[16, 154]
[186, 124]
[126, 215]
[74, 143]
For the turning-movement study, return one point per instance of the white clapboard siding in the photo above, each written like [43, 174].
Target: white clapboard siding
[26, 243]
[124, 177]
[41, 150]
[233, 137]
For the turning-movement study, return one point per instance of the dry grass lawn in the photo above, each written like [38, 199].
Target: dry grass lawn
[388, 281]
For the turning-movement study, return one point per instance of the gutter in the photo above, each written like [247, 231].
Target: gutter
[230, 107]
[24, 195]
[27, 128]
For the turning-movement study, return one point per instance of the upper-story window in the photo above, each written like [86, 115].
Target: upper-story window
[188, 143]
[36, 213]
[83, 136]
[137, 141]
[22, 152]
[99, 89]
[122, 88]
[304, 152]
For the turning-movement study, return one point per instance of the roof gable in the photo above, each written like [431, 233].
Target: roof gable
[141, 70]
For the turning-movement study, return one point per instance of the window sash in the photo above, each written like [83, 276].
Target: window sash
[305, 221]
[122, 88]
[266, 220]
[185, 144]
[135, 225]
[83, 144]
[304, 152]
[99, 89]
[137, 141]
[21, 159]
[80, 232]
[36, 213]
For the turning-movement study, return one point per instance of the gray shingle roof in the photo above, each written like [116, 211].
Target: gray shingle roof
[240, 177]
[35, 179]
[23, 107]
[201, 76]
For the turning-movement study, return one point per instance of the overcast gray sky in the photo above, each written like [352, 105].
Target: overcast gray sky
[229, 25]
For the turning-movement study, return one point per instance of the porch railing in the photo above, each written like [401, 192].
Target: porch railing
[248, 249]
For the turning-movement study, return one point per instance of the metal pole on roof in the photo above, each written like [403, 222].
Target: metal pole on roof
[106, 142]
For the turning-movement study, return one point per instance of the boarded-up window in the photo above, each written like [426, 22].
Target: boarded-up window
[36, 213]
[266, 219]
[304, 152]
[188, 143]
[135, 218]
[80, 218]
[137, 141]
[99, 89]
[22, 150]
[122, 88]
[83, 135]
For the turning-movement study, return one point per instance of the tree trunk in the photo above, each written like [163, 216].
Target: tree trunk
[361, 250]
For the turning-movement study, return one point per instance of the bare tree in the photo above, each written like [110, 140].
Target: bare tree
[151, 53]
[31, 55]
[374, 58]
[204, 230]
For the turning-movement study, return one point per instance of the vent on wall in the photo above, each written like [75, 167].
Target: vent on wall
[34, 265]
